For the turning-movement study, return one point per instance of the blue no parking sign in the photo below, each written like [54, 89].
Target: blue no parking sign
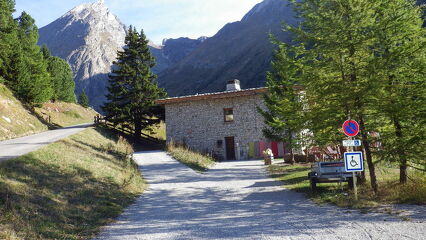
[350, 128]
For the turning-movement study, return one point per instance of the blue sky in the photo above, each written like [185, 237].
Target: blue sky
[159, 18]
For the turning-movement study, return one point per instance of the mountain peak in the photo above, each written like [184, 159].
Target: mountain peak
[84, 11]
[266, 5]
[88, 37]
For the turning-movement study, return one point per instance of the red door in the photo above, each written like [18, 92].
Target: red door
[275, 149]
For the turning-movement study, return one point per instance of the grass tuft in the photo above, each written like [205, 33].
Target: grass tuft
[69, 189]
[197, 161]
[295, 178]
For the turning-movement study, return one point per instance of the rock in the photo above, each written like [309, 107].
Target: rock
[88, 38]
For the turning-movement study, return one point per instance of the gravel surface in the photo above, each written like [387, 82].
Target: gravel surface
[237, 200]
[19, 146]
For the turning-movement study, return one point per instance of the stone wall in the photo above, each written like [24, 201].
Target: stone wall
[200, 124]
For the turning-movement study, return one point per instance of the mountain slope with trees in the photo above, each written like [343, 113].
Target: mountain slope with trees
[239, 50]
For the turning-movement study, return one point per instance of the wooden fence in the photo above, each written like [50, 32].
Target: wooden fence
[124, 129]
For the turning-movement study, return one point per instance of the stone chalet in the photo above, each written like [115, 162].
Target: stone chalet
[224, 124]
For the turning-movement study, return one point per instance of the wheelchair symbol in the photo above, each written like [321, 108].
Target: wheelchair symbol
[353, 163]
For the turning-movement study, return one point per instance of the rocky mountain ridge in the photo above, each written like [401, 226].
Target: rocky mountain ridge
[239, 50]
[88, 38]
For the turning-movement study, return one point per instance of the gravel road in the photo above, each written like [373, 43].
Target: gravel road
[20, 146]
[237, 200]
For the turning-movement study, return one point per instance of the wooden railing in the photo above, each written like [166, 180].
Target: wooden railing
[124, 129]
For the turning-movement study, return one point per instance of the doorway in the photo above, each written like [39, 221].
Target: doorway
[230, 148]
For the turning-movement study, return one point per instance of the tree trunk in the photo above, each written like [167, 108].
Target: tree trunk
[401, 154]
[368, 155]
[138, 128]
[290, 138]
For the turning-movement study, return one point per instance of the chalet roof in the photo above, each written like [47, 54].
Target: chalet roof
[216, 95]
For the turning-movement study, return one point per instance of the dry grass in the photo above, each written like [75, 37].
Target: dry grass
[197, 161]
[64, 114]
[15, 120]
[390, 191]
[69, 189]
[157, 131]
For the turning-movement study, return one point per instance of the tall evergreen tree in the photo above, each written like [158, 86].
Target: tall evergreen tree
[83, 100]
[337, 36]
[61, 77]
[133, 88]
[399, 66]
[33, 85]
[9, 44]
[284, 116]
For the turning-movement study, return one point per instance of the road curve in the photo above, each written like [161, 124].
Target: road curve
[238, 200]
[20, 146]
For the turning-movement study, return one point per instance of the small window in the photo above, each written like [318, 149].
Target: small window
[229, 114]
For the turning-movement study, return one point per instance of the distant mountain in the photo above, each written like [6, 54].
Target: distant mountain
[172, 51]
[88, 37]
[239, 50]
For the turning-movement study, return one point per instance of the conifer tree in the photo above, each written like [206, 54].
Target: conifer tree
[399, 66]
[284, 116]
[9, 44]
[133, 88]
[33, 84]
[336, 36]
[83, 100]
[61, 77]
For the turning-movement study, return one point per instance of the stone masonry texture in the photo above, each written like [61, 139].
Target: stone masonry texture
[200, 124]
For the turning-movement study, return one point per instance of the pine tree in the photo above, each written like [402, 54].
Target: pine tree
[33, 84]
[133, 88]
[337, 37]
[399, 67]
[83, 100]
[9, 44]
[284, 116]
[61, 77]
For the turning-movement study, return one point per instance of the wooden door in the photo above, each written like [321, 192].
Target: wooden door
[274, 147]
[230, 148]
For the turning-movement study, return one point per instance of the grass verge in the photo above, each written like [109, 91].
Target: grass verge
[15, 119]
[62, 114]
[390, 191]
[197, 161]
[69, 189]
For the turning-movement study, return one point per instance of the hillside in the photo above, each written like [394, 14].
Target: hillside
[239, 50]
[17, 121]
[69, 189]
[65, 114]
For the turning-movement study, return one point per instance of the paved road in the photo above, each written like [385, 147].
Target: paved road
[20, 146]
[237, 200]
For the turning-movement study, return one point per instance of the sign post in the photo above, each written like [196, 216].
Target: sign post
[353, 160]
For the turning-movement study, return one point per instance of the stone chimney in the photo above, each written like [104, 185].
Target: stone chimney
[233, 85]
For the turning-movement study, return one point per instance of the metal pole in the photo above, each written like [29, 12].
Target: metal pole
[351, 149]
[355, 187]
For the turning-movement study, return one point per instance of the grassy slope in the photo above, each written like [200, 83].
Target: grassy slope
[390, 191]
[65, 114]
[198, 162]
[69, 189]
[15, 120]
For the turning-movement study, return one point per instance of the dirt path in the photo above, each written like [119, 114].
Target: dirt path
[20, 146]
[237, 200]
